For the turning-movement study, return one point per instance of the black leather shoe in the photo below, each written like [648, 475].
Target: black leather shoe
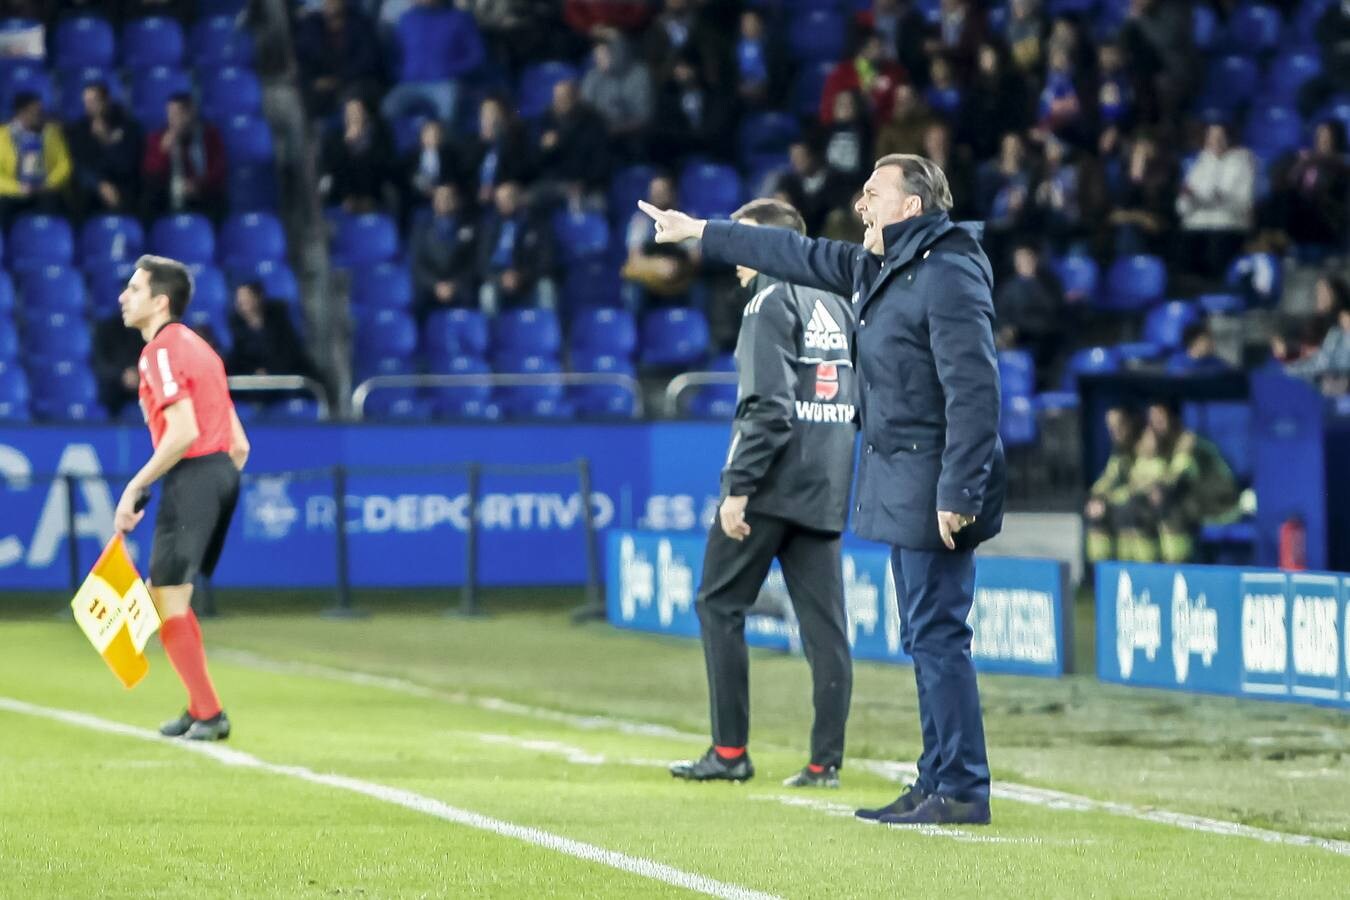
[940, 810]
[712, 767]
[177, 727]
[825, 778]
[906, 802]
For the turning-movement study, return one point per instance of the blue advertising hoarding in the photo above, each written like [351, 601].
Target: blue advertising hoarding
[1222, 630]
[405, 529]
[1021, 616]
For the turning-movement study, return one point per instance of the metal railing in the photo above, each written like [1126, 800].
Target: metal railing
[680, 384]
[566, 379]
[271, 384]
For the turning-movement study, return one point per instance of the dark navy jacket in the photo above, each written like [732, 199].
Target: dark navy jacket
[926, 364]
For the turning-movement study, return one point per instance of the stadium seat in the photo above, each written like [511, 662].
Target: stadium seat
[216, 41]
[626, 188]
[209, 291]
[1272, 132]
[1131, 352]
[14, 394]
[377, 366]
[453, 401]
[1017, 422]
[70, 98]
[211, 324]
[523, 401]
[1288, 74]
[535, 91]
[231, 91]
[591, 283]
[1135, 282]
[151, 90]
[709, 190]
[1253, 29]
[83, 41]
[278, 281]
[365, 239]
[1204, 26]
[807, 88]
[604, 331]
[53, 289]
[187, 237]
[9, 341]
[152, 41]
[252, 188]
[250, 238]
[526, 332]
[1229, 425]
[384, 285]
[456, 332]
[387, 332]
[1229, 83]
[23, 78]
[1090, 361]
[817, 35]
[674, 337]
[1057, 401]
[1164, 325]
[396, 405]
[581, 235]
[110, 239]
[37, 240]
[247, 139]
[6, 299]
[1079, 275]
[63, 383]
[1220, 304]
[106, 283]
[1017, 373]
[294, 409]
[765, 135]
[1336, 109]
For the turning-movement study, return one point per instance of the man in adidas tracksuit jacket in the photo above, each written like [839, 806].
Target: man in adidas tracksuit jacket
[785, 492]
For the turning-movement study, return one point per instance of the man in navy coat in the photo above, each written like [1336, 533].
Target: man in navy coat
[932, 477]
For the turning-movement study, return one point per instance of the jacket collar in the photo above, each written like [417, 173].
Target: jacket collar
[903, 240]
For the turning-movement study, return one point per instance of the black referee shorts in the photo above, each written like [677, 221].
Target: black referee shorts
[195, 508]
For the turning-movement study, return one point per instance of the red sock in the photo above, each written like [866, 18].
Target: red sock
[182, 638]
[815, 769]
[730, 752]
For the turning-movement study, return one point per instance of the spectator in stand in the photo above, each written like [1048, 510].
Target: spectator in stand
[903, 31]
[1215, 204]
[1026, 36]
[515, 255]
[444, 253]
[1109, 522]
[843, 224]
[619, 88]
[263, 338]
[627, 15]
[1290, 343]
[761, 69]
[683, 34]
[572, 153]
[1198, 355]
[428, 165]
[811, 186]
[1003, 194]
[1115, 89]
[660, 270]
[34, 161]
[1156, 38]
[1061, 111]
[848, 138]
[358, 161]
[1030, 308]
[338, 51]
[521, 31]
[439, 46]
[116, 352]
[868, 71]
[1143, 201]
[106, 146]
[961, 30]
[937, 146]
[909, 121]
[1314, 192]
[944, 94]
[996, 102]
[1055, 203]
[1330, 294]
[496, 154]
[1329, 367]
[691, 117]
[183, 167]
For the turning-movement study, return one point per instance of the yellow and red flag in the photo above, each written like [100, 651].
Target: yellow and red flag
[114, 610]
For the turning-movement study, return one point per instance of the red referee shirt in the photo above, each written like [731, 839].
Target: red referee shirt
[177, 363]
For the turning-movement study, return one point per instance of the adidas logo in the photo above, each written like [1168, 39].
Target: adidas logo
[823, 332]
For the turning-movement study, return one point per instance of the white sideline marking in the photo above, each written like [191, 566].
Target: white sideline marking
[635, 865]
[894, 771]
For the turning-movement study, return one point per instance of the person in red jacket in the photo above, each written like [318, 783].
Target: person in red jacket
[184, 164]
[869, 72]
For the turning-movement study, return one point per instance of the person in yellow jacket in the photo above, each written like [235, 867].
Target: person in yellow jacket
[35, 164]
[1108, 514]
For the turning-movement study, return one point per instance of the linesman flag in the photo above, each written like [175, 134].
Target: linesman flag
[114, 610]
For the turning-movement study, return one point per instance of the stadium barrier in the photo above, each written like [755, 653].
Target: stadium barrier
[1022, 616]
[361, 395]
[264, 387]
[683, 383]
[1225, 630]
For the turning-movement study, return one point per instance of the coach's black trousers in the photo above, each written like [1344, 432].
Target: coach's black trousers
[733, 572]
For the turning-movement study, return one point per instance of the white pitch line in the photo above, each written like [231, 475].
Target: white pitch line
[635, 865]
[894, 771]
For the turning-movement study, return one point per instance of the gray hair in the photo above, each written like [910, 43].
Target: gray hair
[921, 177]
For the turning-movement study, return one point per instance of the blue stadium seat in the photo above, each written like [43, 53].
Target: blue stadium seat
[1220, 304]
[715, 401]
[56, 336]
[250, 238]
[525, 401]
[761, 178]
[1204, 26]
[464, 401]
[384, 285]
[1229, 425]
[1287, 75]
[6, 298]
[1272, 132]
[83, 41]
[152, 41]
[807, 88]
[456, 332]
[231, 91]
[626, 188]
[1164, 325]
[14, 393]
[591, 283]
[709, 190]
[278, 281]
[526, 332]
[1135, 282]
[1057, 401]
[396, 405]
[106, 283]
[1090, 361]
[1253, 29]
[674, 337]
[109, 239]
[9, 341]
[387, 332]
[535, 91]
[1079, 275]
[70, 98]
[37, 240]
[209, 291]
[605, 401]
[377, 366]
[247, 139]
[23, 78]
[1336, 110]
[1017, 373]
[151, 90]
[187, 237]
[1229, 83]
[53, 289]
[1138, 351]
[294, 409]
[365, 239]
[611, 332]
[581, 235]
[252, 188]
[66, 391]
[214, 326]
[765, 135]
[1017, 423]
[216, 41]
[817, 36]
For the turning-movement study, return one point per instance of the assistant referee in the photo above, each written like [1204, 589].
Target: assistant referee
[199, 449]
